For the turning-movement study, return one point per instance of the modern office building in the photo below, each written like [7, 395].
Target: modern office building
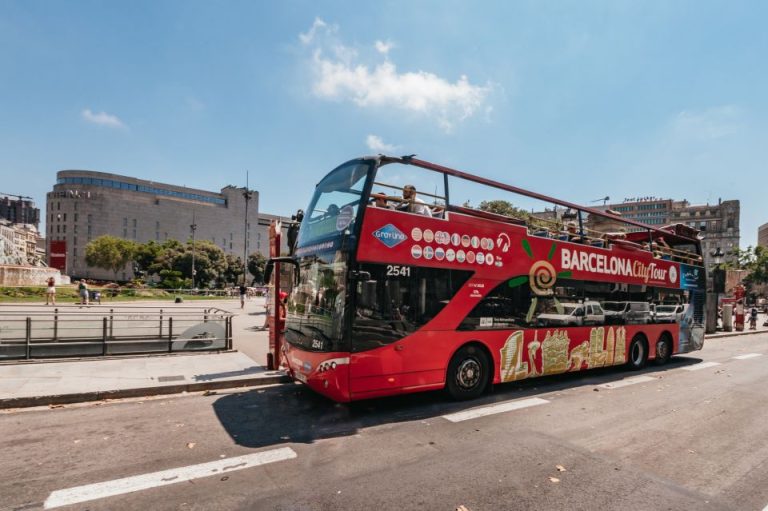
[19, 210]
[86, 204]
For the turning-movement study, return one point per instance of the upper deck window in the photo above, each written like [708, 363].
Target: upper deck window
[334, 206]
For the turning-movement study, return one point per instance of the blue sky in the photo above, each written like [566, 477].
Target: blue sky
[573, 99]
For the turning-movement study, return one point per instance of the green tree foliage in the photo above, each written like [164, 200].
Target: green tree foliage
[233, 270]
[171, 279]
[756, 261]
[256, 265]
[109, 253]
[502, 207]
[210, 262]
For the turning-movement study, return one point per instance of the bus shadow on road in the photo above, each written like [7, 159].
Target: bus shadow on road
[293, 413]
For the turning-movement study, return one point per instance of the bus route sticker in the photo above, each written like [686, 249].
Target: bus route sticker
[429, 253]
[428, 236]
[450, 255]
[439, 253]
[480, 258]
[346, 215]
[416, 252]
[455, 239]
[416, 234]
[460, 256]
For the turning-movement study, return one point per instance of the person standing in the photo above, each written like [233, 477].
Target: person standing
[753, 319]
[82, 288]
[243, 291]
[50, 293]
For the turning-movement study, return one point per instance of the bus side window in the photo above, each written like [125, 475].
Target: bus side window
[397, 300]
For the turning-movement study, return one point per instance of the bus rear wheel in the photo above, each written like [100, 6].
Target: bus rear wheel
[468, 373]
[638, 353]
[663, 350]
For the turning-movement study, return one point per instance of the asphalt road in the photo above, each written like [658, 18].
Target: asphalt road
[690, 435]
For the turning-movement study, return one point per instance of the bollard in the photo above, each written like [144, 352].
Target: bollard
[104, 337]
[55, 324]
[111, 324]
[170, 334]
[29, 337]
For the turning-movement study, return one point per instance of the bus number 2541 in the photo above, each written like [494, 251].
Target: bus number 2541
[394, 270]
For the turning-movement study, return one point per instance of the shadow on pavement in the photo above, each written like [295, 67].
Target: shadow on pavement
[294, 413]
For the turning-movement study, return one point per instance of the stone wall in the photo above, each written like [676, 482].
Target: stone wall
[11, 275]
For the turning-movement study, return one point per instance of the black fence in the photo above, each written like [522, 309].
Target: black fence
[34, 331]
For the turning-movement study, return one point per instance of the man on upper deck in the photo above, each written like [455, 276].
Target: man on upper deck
[413, 204]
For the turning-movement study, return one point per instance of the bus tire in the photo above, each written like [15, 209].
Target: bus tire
[468, 373]
[663, 349]
[637, 354]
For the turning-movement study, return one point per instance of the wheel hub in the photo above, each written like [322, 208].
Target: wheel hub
[468, 374]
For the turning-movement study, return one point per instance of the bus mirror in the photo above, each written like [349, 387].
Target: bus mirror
[360, 275]
[271, 263]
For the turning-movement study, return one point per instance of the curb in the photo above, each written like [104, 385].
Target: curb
[735, 334]
[84, 397]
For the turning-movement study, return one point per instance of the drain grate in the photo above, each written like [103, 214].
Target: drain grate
[171, 378]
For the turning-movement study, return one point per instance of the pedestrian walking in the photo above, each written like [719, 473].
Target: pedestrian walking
[82, 288]
[243, 292]
[753, 319]
[50, 292]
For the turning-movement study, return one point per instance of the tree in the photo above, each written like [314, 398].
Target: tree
[232, 270]
[109, 253]
[210, 262]
[757, 264]
[256, 265]
[502, 207]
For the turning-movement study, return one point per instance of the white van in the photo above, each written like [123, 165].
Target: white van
[574, 314]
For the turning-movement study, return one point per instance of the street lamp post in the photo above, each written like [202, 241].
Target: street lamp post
[718, 286]
[247, 195]
[193, 228]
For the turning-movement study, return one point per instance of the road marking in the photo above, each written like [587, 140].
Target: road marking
[748, 355]
[494, 409]
[95, 491]
[626, 382]
[703, 365]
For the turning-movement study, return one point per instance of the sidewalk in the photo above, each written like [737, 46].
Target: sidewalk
[39, 382]
[46, 383]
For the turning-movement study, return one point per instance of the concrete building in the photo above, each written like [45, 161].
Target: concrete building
[762, 235]
[19, 211]
[85, 205]
[717, 223]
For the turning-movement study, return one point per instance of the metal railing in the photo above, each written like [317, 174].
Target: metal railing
[28, 332]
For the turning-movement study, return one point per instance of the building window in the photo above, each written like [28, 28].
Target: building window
[89, 218]
[134, 223]
[65, 217]
[76, 216]
[58, 206]
[125, 222]
[125, 232]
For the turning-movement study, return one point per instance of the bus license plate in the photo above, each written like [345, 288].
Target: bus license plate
[301, 377]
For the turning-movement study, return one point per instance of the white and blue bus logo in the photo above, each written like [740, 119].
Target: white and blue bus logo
[390, 235]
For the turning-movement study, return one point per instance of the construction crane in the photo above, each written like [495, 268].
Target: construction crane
[604, 199]
[15, 195]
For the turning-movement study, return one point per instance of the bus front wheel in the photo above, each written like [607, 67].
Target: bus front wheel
[468, 373]
[638, 353]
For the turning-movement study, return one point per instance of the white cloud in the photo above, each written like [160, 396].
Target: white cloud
[102, 119]
[310, 35]
[376, 144]
[709, 124]
[341, 76]
[384, 46]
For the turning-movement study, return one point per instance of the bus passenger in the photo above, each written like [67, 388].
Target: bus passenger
[413, 204]
[380, 201]
[573, 234]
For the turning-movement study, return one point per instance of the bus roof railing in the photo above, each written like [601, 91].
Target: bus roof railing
[409, 160]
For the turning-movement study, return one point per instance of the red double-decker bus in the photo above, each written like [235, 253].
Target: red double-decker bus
[402, 286]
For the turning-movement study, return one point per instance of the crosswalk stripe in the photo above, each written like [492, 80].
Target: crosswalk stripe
[748, 355]
[703, 365]
[95, 491]
[494, 409]
[626, 382]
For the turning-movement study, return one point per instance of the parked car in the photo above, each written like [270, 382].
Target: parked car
[574, 314]
[668, 313]
[622, 313]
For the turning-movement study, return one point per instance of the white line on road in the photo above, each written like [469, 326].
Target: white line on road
[748, 355]
[626, 382]
[493, 409]
[175, 475]
[703, 365]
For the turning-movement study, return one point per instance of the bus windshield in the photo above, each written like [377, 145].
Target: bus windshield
[333, 208]
[315, 311]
